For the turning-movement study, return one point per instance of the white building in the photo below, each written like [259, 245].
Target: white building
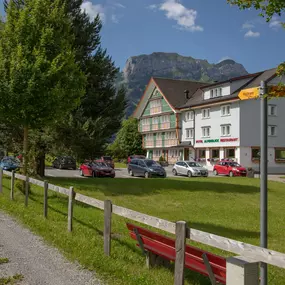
[220, 125]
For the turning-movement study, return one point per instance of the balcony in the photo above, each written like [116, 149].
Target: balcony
[170, 142]
[155, 127]
[158, 143]
[145, 128]
[148, 144]
[155, 110]
[165, 125]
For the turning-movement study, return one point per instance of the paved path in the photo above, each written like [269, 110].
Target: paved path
[38, 263]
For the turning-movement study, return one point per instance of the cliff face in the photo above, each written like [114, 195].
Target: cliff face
[139, 69]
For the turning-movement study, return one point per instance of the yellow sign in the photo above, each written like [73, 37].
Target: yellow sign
[249, 93]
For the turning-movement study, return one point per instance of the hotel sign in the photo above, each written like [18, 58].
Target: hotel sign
[249, 93]
[218, 140]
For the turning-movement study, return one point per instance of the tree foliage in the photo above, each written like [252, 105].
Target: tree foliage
[128, 140]
[267, 9]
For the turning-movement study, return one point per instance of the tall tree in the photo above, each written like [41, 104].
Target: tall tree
[267, 9]
[86, 130]
[128, 140]
[40, 80]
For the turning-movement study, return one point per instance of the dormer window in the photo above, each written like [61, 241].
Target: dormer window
[212, 94]
[217, 92]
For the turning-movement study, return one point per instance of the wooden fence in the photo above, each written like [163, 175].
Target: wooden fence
[249, 254]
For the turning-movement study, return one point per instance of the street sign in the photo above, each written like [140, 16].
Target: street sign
[249, 93]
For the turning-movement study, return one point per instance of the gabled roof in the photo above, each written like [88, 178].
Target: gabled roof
[198, 99]
[173, 89]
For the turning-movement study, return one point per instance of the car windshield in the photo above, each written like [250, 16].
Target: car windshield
[101, 164]
[234, 164]
[10, 160]
[193, 164]
[107, 157]
[150, 163]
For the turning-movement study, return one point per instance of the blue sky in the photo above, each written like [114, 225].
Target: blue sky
[208, 29]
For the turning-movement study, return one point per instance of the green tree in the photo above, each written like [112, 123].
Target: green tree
[128, 140]
[40, 80]
[267, 9]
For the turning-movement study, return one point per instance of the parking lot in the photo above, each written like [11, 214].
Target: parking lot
[120, 173]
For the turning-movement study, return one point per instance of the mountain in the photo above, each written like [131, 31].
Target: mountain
[139, 69]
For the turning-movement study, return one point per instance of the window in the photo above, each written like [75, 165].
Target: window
[165, 119]
[220, 91]
[225, 130]
[202, 153]
[272, 110]
[255, 153]
[215, 153]
[280, 154]
[149, 137]
[155, 103]
[170, 135]
[158, 136]
[173, 153]
[230, 153]
[145, 122]
[157, 152]
[189, 116]
[155, 120]
[189, 133]
[205, 113]
[212, 94]
[205, 132]
[272, 131]
[226, 110]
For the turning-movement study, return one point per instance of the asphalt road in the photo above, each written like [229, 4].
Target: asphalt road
[120, 173]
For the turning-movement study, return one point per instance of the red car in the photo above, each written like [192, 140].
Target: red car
[96, 169]
[230, 168]
[108, 160]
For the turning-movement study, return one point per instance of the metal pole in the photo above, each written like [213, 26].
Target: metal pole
[263, 173]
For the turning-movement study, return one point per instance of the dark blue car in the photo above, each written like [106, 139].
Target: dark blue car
[146, 167]
[9, 164]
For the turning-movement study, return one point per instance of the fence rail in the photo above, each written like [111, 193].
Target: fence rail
[253, 253]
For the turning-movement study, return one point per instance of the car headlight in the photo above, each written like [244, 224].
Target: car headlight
[235, 169]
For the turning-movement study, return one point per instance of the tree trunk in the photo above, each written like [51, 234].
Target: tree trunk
[25, 150]
[41, 164]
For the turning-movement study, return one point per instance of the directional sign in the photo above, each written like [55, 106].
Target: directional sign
[249, 93]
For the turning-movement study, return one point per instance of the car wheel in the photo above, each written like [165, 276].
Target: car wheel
[74, 168]
[81, 172]
[60, 166]
[231, 174]
[174, 172]
[189, 174]
[216, 172]
[131, 172]
[146, 175]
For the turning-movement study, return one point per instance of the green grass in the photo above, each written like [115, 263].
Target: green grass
[3, 260]
[11, 280]
[120, 165]
[223, 206]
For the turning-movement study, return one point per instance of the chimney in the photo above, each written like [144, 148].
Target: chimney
[186, 92]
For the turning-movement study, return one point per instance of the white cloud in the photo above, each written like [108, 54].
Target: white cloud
[251, 34]
[115, 19]
[119, 5]
[224, 58]
[184, 17]
[248, 25]
[93, 10]
[152, 7]
[275, 23]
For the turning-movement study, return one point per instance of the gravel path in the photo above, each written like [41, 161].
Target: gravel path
[38, 263]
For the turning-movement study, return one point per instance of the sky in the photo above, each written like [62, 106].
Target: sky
[204, 29]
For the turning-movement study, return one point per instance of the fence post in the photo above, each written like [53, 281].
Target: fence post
[1, 180]
[70, 208]
[107, 226]
[27, 191]
[242, 271]
[12, 185]
[180, 242]
[45, 198]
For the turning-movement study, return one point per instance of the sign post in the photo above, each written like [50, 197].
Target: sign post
[263, 176]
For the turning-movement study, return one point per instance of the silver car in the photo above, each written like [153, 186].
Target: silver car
[189, 168]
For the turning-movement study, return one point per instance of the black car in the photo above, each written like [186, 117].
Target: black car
[146, 167]
[64, 162]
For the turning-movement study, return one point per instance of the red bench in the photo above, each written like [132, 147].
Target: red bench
[196, 259]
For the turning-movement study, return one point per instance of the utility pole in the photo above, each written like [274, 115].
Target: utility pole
[263, 174]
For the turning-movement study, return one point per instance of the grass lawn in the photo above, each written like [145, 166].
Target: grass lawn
[120, 165]
[224, 206]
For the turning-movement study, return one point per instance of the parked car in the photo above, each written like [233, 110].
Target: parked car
[145, 167]
[96, 169]
[230, 168]
[108, 160]
[137, 156]
[189, 168]
[64, 162]
[10, 163]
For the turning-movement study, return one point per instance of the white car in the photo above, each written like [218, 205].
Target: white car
[189, 168]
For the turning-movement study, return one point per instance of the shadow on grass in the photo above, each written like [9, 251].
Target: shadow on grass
[141, 187]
